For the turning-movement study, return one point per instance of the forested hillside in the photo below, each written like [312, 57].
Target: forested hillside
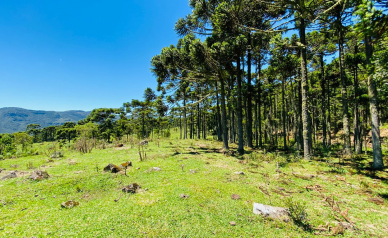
[13, 119]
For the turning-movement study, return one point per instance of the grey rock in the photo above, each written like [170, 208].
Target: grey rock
[276, 213]
[132, 188]
[183, 196]
[9, 176]
[69, 204]
[235, 197]
[239, 173]
[39, 175]
[144, 142]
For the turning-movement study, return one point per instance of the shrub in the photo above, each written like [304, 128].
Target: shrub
[167, 133]
[84, 145]
[297, 212]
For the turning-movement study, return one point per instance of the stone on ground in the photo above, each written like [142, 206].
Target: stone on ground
[69, 204]
[132, 188]
[39, 175]
[276, 213]
[9, 176]
[112, 168]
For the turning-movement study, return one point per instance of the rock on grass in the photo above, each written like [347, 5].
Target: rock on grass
[276, 213]
[132, 188]
[39, 175]
[69, 204]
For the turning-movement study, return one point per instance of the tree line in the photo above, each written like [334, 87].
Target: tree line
[277, 89]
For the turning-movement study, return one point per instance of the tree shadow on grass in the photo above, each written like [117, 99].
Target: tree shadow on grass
[384, 195]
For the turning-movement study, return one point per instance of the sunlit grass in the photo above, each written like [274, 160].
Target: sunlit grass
[30, 208]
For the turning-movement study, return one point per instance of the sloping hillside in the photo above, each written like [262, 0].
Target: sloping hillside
[13, 119]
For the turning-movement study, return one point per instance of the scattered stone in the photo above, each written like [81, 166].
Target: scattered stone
[69, 204]
[112, 168]
[276, 213]
[144, 142]
[138, 168]
[9, 176]
[239, 173]
[54, 196]
[340, 178]
[78, 172]
[184, 196]
[156, 169]
[72, 162]
[1, 170]
[232, 223]
[36, 195]
[39, 175]
[304, 177]
[132, 188]
[193, 171]
[235, 197]
[376, 200]
[119, 145]
[346, 225]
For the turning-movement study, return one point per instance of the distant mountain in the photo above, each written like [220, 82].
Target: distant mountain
[13, 119]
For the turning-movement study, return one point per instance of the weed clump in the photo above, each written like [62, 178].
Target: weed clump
[297, 212]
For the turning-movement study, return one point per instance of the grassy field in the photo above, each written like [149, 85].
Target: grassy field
[326, 190]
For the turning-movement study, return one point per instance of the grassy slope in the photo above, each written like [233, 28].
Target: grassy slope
[33, 208]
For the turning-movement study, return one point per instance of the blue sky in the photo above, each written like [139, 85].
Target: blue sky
[80, 55]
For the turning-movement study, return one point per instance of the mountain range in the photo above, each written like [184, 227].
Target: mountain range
[14, 119]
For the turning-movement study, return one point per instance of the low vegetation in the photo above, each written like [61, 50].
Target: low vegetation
[322, 199]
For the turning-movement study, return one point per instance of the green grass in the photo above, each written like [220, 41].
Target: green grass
[29, 208]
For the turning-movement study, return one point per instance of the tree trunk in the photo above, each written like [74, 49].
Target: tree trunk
[184, 119]
[357, 129]
[305, 90]
[345, 108]
[323, 104]
[284, 116]
[223, 111]
[198, 122]
[239, 109]
[259, 103]
[249, 97]
[180, 126]
[328, 115]
[378, 162]
[219, 126]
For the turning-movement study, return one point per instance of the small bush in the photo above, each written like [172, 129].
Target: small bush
[57, 154]
[297, 212]
[84, 145]
[30, 165]
[167, 134]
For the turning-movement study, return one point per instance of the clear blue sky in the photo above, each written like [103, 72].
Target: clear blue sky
[80, 55]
